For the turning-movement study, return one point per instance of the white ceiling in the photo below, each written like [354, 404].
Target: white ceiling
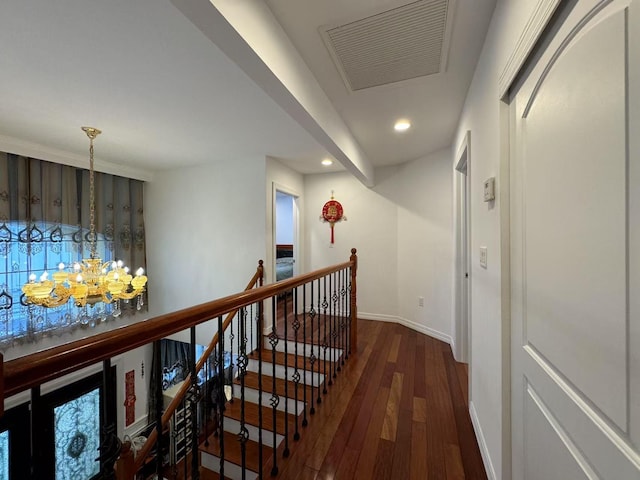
[165, 96]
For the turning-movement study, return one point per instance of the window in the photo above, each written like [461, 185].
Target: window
[42, 208]
[37, 248]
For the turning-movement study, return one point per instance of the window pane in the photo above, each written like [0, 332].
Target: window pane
[4, 454]
[77, 437]
[18, 259]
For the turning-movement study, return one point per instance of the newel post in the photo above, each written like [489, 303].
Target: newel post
[125, 466]
[353, 341]
[260, 272]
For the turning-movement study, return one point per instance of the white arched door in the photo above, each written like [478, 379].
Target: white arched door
[575, 248]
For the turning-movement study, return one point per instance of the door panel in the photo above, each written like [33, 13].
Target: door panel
[573, 406]
[551, 453]
[574, 206]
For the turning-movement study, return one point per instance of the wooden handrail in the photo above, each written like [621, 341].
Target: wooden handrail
[26, 372]
[179, 396]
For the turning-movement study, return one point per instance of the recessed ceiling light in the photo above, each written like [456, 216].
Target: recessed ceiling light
[326, 162]
[402, 125]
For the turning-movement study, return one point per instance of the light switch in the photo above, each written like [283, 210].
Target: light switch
[490, 189]
[483, 257]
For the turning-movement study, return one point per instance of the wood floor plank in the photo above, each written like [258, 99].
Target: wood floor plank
[348, 463]
[383, 467]
[395, 346]
[418, 469]
[401, 454]
[453, 462]
[390, 423]
[419, 384]
[307, 473]
[364, 469]
[419, 409]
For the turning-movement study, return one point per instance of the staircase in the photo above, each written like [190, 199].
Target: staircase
[273, 423]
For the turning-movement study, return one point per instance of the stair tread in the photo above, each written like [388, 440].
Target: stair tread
[303, 363]
[206, 474]
[251, 411]
[233, 450]
[251, 381]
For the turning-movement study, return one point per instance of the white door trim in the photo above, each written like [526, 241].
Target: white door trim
[462, 277]
[537, 22]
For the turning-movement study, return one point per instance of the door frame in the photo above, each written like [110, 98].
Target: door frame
[462, 277]
[296, 226]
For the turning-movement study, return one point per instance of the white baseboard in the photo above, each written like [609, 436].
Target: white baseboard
[408, 323]
[484, 451]
[133, 429]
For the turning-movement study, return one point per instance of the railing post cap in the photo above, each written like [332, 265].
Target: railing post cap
[260, 263]
[353, 251]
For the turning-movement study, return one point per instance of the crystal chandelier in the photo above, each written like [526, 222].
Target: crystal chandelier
[92, 280]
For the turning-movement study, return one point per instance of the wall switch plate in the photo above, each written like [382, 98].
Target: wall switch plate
[421, 301]
[490, 189]
[483, 257]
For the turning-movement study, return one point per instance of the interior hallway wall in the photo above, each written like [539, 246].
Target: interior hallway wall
[402, 230]
[205, 234]
[484, 116]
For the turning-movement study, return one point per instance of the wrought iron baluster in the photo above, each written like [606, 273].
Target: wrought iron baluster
[259, 332]
[343, 312]
[232, 337]
[243, 436]
[325, 304]
[110, 444]
[275, 399]
[334, 324]
[304, 353]
[207, 398]
[312, 357]
[296, 373]
[193, 404]
[251, 348]
[349, 319]
[285, 453]
[221, 395]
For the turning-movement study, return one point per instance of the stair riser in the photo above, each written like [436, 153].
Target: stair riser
[280, 372]
[305, 350]
[252, 395]
[233, 426]
[231, 470]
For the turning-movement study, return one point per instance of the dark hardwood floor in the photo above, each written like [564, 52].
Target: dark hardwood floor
[397, 411]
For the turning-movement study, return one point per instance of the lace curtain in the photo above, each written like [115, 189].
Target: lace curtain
[44, 220]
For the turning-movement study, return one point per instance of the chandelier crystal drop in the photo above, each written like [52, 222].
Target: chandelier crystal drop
[92, 280]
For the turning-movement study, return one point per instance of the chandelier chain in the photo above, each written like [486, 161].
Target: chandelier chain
[92, 206]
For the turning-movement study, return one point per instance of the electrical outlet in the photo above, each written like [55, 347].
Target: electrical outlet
[421, 301]
[483, 257]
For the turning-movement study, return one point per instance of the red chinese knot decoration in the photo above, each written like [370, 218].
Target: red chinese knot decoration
[332, 212]
[130, 397]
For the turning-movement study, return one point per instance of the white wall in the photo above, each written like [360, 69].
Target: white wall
[205, 234]
[402, 230]
[484, 116]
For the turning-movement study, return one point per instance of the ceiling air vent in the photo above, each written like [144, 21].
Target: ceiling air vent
[398, 44]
